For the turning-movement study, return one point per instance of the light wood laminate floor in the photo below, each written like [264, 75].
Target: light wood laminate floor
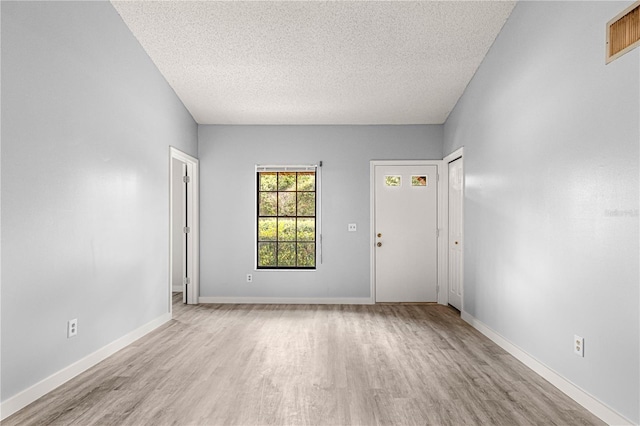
[308, 365]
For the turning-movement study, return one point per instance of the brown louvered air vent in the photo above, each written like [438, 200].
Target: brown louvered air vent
[623, 32]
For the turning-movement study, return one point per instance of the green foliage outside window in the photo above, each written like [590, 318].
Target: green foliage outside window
[286, 220]
[393, 180]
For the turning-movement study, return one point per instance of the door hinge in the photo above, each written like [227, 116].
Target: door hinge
[186, 280]
[186, 179]
[187, 229]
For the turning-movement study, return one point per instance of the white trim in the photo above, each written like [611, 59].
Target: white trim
[458, 153]
[599, 409]
[443, 214]
[372, 231]
[290, 300]
[318, 215]
[441, 253]
[29, 395]
[177, 288]
[194, 221]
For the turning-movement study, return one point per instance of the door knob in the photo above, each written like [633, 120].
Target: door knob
[379, 244]
[379, 235]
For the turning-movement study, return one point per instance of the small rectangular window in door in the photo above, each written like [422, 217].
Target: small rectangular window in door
[393, 180]
[419, 180]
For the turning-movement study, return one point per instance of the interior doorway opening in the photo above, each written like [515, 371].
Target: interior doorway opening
[184, 227]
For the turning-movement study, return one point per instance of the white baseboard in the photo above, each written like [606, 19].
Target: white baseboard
[598, 408]
[29, 395]
[290, 300]
[176, 288]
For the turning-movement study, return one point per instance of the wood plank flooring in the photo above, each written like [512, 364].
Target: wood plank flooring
[308, 365]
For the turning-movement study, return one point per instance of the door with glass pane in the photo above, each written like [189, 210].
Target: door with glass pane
[406, 240]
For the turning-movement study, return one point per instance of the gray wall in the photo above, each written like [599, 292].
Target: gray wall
[87, 121]
[551, 206]
[228, 155]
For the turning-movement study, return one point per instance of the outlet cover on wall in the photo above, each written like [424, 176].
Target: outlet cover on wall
[578, 345]
[352, 227]
[72, 328]
[249, 278]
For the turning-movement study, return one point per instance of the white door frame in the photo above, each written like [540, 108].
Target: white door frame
[458, 153]
[442, 295]
[193, 218]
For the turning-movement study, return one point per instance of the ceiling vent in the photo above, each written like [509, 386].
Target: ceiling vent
[623, 32]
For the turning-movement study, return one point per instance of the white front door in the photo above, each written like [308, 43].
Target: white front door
[455, 233]
[406, 241]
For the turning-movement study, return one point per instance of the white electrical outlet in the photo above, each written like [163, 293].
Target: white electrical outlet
[249, 278]
[578, 345]
[72, 327]
[352, 227]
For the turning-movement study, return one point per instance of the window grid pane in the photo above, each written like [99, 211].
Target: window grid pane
[286, 220]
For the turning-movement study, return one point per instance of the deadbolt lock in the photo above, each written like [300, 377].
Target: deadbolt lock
[379, 235]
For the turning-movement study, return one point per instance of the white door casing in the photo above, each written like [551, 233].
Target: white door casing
[185, 193]
[455, 234]
[405, 226]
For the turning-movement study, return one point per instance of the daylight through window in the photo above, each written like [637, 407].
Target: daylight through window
[286, 237]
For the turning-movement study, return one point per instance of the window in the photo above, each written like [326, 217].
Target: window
[286, 217]
[393, 180]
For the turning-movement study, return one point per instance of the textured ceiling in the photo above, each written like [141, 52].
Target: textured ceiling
[341, 62]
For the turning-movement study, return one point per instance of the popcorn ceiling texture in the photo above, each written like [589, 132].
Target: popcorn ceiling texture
[316, 62]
